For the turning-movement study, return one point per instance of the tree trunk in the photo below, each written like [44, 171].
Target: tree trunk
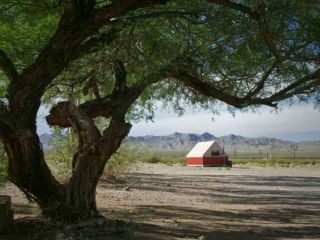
[74, 200]
[89, 165]
[27, 168]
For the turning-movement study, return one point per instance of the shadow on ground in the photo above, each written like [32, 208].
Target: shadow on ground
[277, 207]
[274, 207]
[39, 229]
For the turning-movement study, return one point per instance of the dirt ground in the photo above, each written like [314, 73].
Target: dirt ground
[173, 202]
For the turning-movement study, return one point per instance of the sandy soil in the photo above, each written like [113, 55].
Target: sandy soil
[172, 202]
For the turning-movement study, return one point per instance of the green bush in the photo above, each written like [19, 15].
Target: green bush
[161, 158]
[64, 146]
[153, 159]
[60, 157]
[277, 162]
[119, 164]
[3, 166]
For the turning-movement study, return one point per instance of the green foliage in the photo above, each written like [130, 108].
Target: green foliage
[224, 47]
[119, 164]
[26, 28]
[60, 157]
[167, 159]
[227, 47]
[3, 166]
[153, 159]
[127, 155]
[277, 162]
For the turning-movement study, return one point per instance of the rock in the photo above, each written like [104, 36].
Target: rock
[126, 189]
[202, 238]
[6, 214]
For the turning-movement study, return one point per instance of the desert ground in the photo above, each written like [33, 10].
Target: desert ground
[156, 201]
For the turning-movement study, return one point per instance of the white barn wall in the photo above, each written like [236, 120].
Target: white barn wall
[204, 149]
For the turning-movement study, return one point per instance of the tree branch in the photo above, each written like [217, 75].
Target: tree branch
[65, 43]
[237, 6]
[79, 120]
[79, 8]
[91, 45]
[209, 90]
[117, 8]
[114, 134]
[261, 83]
[7, 66]
[305, 85]
[260, 17]
[298, 87]
[116, 104]
[120, 75]
[5, 127]
[165, 14]
[266, 34]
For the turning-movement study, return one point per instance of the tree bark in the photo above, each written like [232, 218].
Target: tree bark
[27, 168]
[74, 200]
[90, 163]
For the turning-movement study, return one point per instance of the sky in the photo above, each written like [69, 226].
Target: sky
[296, 123]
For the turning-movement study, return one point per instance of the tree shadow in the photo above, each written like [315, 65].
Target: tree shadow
[288, 207]
[275, 207]
[191, 223]
[262, 190]
[39, 229]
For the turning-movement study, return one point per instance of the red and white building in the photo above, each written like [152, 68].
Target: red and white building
[207, 154]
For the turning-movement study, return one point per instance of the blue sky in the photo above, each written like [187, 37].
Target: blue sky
[299, 122]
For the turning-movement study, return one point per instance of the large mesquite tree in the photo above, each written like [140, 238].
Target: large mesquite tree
[113, 59]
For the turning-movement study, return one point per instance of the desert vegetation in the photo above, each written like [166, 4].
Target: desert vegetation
[130, 155]
[101, 66]
[3, 166]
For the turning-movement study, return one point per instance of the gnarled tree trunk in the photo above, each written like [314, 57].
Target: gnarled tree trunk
[89, 161]
[29, 171]
[77, 33]
[27, 168]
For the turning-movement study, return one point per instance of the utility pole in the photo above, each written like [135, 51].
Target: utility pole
[294, 148]
[223, 147]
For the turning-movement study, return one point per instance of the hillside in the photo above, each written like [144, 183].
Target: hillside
[183, 142]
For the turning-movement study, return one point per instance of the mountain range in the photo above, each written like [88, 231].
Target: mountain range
[183, 142]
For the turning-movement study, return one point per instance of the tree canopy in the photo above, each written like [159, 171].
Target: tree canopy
[236, 48]
[114, 59]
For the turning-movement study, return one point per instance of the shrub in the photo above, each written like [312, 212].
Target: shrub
[3, 166]
[280, 162]
[60, 158]
[153, 159]
[119, 164]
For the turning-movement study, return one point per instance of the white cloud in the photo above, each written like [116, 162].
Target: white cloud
[299, 118]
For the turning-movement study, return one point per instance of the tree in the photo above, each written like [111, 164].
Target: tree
[114, 59]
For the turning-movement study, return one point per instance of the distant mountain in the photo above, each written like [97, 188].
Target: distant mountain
[170, 142]
[183, 142]
[46, 141]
